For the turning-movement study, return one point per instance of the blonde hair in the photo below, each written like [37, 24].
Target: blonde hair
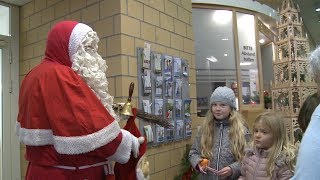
[236, 135]
[281, 145]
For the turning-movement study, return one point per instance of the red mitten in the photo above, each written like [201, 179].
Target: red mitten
[127, 171]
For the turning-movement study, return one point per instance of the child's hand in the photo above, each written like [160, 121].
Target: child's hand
[225, 172]
[203, 164]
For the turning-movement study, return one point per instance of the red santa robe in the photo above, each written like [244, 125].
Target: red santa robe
[67, 131]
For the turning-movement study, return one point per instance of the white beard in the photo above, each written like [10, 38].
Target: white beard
[88, 64]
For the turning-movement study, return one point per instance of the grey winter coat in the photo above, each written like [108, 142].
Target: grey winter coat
[222, 154]
[254, 166]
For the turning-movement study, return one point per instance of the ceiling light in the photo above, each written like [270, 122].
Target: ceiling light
[225, 54]
[225, 39]
[245, 63]
[261, 41]
[212, 59]
[317, 9]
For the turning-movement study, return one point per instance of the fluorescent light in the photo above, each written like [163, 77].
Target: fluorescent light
[261, 41]
[317, 9]
[225, 54]
[212, 59]
[225, 39]
[245, 63]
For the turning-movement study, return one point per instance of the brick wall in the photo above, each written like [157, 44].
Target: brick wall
[122, 25]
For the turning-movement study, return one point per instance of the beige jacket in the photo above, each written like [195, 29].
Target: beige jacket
[254, 166]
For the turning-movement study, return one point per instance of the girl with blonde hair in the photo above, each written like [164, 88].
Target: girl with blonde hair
[219, 145]
[271, 155]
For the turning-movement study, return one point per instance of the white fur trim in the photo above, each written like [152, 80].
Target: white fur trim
[34, 137]
[68, 145]
[123, 152]
[77, 34]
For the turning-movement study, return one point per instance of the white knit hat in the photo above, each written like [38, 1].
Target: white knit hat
[223, 94]
[76, 37]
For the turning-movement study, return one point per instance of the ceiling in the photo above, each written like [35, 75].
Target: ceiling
[310, 17]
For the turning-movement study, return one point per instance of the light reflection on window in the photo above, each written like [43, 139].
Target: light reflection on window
[4, 20]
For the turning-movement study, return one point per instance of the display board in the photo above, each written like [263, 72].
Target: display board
[164, 91]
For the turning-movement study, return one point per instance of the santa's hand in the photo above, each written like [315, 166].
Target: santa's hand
[136, 144]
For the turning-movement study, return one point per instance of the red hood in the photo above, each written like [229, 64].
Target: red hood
[57, 49]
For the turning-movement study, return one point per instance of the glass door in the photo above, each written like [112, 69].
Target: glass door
[9, 92]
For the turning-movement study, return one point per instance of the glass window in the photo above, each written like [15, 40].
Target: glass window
[214, 53]
[248, 59]
[4, 21]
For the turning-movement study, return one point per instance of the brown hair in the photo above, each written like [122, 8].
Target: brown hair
[308, 106]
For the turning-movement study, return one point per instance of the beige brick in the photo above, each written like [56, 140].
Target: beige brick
[170, 8]
[43, 32]
[184, 15]
[166, 22]
[158, 176]
[77, 4]
[39, 48]
[148, 32]
[89, 2]
[27, 52]
[124, 7]
[122, 85]
[157, 4]
[127, 45]
[61, 9]
[112, 86]
[176, 41]
[52, 2]
[76, 16]
[90, 14]
[32, 37]
[193, 89]
[151, 15]
[139, 43]
[133, 66]
[39, 5]
[186, 56]
[135, 9]
[180, 28]
[189, 32]
[117, 65]
[25, 24]
[130, 26]
[24, 67]
[188, 45]
[173, 52]
[187, 4]
[163, 37]
[47, 15]
[158, 48]
[109, 8]
[35, 20]
[162, 161]
[173, 172]
[176, 156]
[102, 50]
[114, 45]
[117, 24]
[192, 76]
[104, 27]
[150, 159]
[27, 9]
[23, 39]
[34, 62]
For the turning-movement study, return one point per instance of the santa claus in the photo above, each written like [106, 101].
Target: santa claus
[65, 115]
